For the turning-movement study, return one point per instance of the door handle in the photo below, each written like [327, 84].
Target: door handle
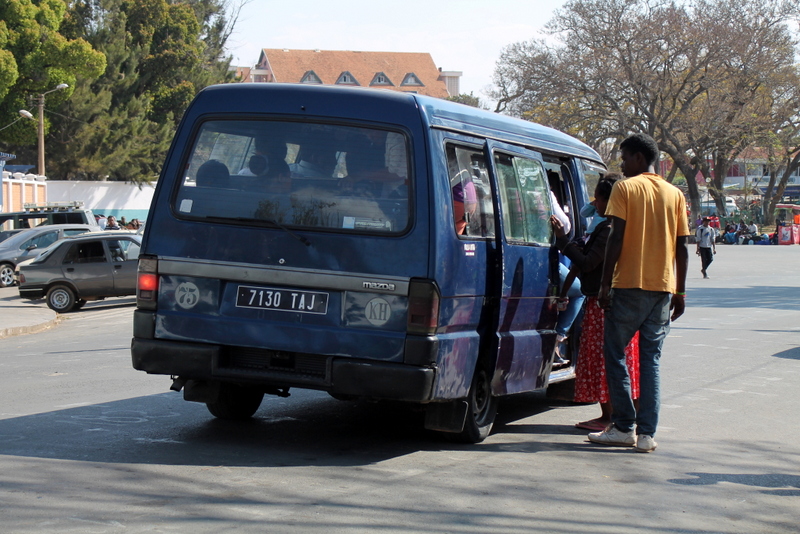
[118, 266]
[70, 269]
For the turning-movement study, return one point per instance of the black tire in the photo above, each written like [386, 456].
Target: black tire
[481, 411]
[6, 275]
[235, 402]
[60, 298]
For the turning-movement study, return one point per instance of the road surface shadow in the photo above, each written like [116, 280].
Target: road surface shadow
[789, 354]
[781, 482]
[308, 429]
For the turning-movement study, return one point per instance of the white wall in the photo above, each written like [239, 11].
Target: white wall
[120, 199]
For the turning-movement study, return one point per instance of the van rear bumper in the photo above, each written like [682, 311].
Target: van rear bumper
[360, 378]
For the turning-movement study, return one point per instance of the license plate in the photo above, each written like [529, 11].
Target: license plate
[293, 300]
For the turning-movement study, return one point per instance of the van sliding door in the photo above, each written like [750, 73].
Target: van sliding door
[525, 335]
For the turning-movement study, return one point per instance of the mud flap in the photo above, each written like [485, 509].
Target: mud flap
[201, 391]
[446, 416]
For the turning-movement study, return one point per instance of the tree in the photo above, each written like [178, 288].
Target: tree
[35, 58]
[160, 54]
[699, 77]
[468, 99]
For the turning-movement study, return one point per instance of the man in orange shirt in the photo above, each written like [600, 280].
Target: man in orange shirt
[646, 263]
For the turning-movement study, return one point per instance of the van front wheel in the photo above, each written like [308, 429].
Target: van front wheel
[481, 411]
[235, 402]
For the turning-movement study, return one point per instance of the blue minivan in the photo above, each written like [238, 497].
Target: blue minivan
[371, 244]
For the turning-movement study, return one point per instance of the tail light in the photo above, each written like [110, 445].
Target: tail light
[21, 278]
[147, 283]
[423, 307]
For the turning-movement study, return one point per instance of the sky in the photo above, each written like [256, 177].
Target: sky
[463, 35]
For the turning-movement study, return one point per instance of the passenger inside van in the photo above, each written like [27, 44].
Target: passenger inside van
[368, 161]
[315, 160]
[257, 166]
[213, 173]
[465, 204]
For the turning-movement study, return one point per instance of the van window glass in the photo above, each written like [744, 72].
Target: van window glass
[525, 197]
[592, 174]
[473, 210]
[349, 178]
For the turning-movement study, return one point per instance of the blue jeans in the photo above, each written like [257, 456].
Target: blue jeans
[648, 312]
[576, 298]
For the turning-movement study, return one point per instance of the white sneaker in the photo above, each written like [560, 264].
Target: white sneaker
[614, 437]
[645, 443]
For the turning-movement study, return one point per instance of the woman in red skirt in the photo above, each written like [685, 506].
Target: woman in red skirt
[587, 264]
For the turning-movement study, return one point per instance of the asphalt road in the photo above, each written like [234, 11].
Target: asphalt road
[89, 445]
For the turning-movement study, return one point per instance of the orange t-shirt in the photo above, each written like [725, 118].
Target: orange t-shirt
[654, 212]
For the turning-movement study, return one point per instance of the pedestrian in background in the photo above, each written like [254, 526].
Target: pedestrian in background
[112, 223]
[646, 262]
[706, 247]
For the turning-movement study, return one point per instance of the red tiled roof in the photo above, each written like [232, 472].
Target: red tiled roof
[289, 66]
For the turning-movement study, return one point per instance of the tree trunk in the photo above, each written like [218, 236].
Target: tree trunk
[690, 173]
[778, 196]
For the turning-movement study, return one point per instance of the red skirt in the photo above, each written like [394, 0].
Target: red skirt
[590, 373]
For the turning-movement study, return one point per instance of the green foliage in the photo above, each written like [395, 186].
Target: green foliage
[141, 63]
[468, 99]
[35, 58]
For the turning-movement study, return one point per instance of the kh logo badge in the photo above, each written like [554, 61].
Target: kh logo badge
[378, 311]
[187, 295]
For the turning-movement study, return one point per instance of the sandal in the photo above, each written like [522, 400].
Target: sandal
[595, 424]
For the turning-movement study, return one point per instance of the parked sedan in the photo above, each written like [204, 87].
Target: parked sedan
[82, 268]
[31, 242]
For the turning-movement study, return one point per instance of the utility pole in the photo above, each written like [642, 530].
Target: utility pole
[40, 103]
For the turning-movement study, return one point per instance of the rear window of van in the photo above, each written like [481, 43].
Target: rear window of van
[312, 175]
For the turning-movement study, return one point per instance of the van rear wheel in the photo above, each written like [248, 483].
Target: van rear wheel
[481, 411]
[235, 402]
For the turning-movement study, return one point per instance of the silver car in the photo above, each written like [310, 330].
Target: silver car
[87, 267]
[31, 242]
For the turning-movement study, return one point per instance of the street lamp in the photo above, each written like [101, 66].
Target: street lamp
[24, 115]
[29, 115]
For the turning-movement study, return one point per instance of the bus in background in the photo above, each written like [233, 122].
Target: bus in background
[371, 244]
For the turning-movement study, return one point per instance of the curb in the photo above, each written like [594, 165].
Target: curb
[29, 329]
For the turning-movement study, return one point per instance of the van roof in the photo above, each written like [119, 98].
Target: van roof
[367, 104]
[453, 116]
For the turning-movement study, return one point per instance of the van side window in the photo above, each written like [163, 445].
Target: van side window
[473, 211]
[592, 174]
[525, 198]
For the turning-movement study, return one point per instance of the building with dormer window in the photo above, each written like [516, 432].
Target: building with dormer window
[410, 72]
